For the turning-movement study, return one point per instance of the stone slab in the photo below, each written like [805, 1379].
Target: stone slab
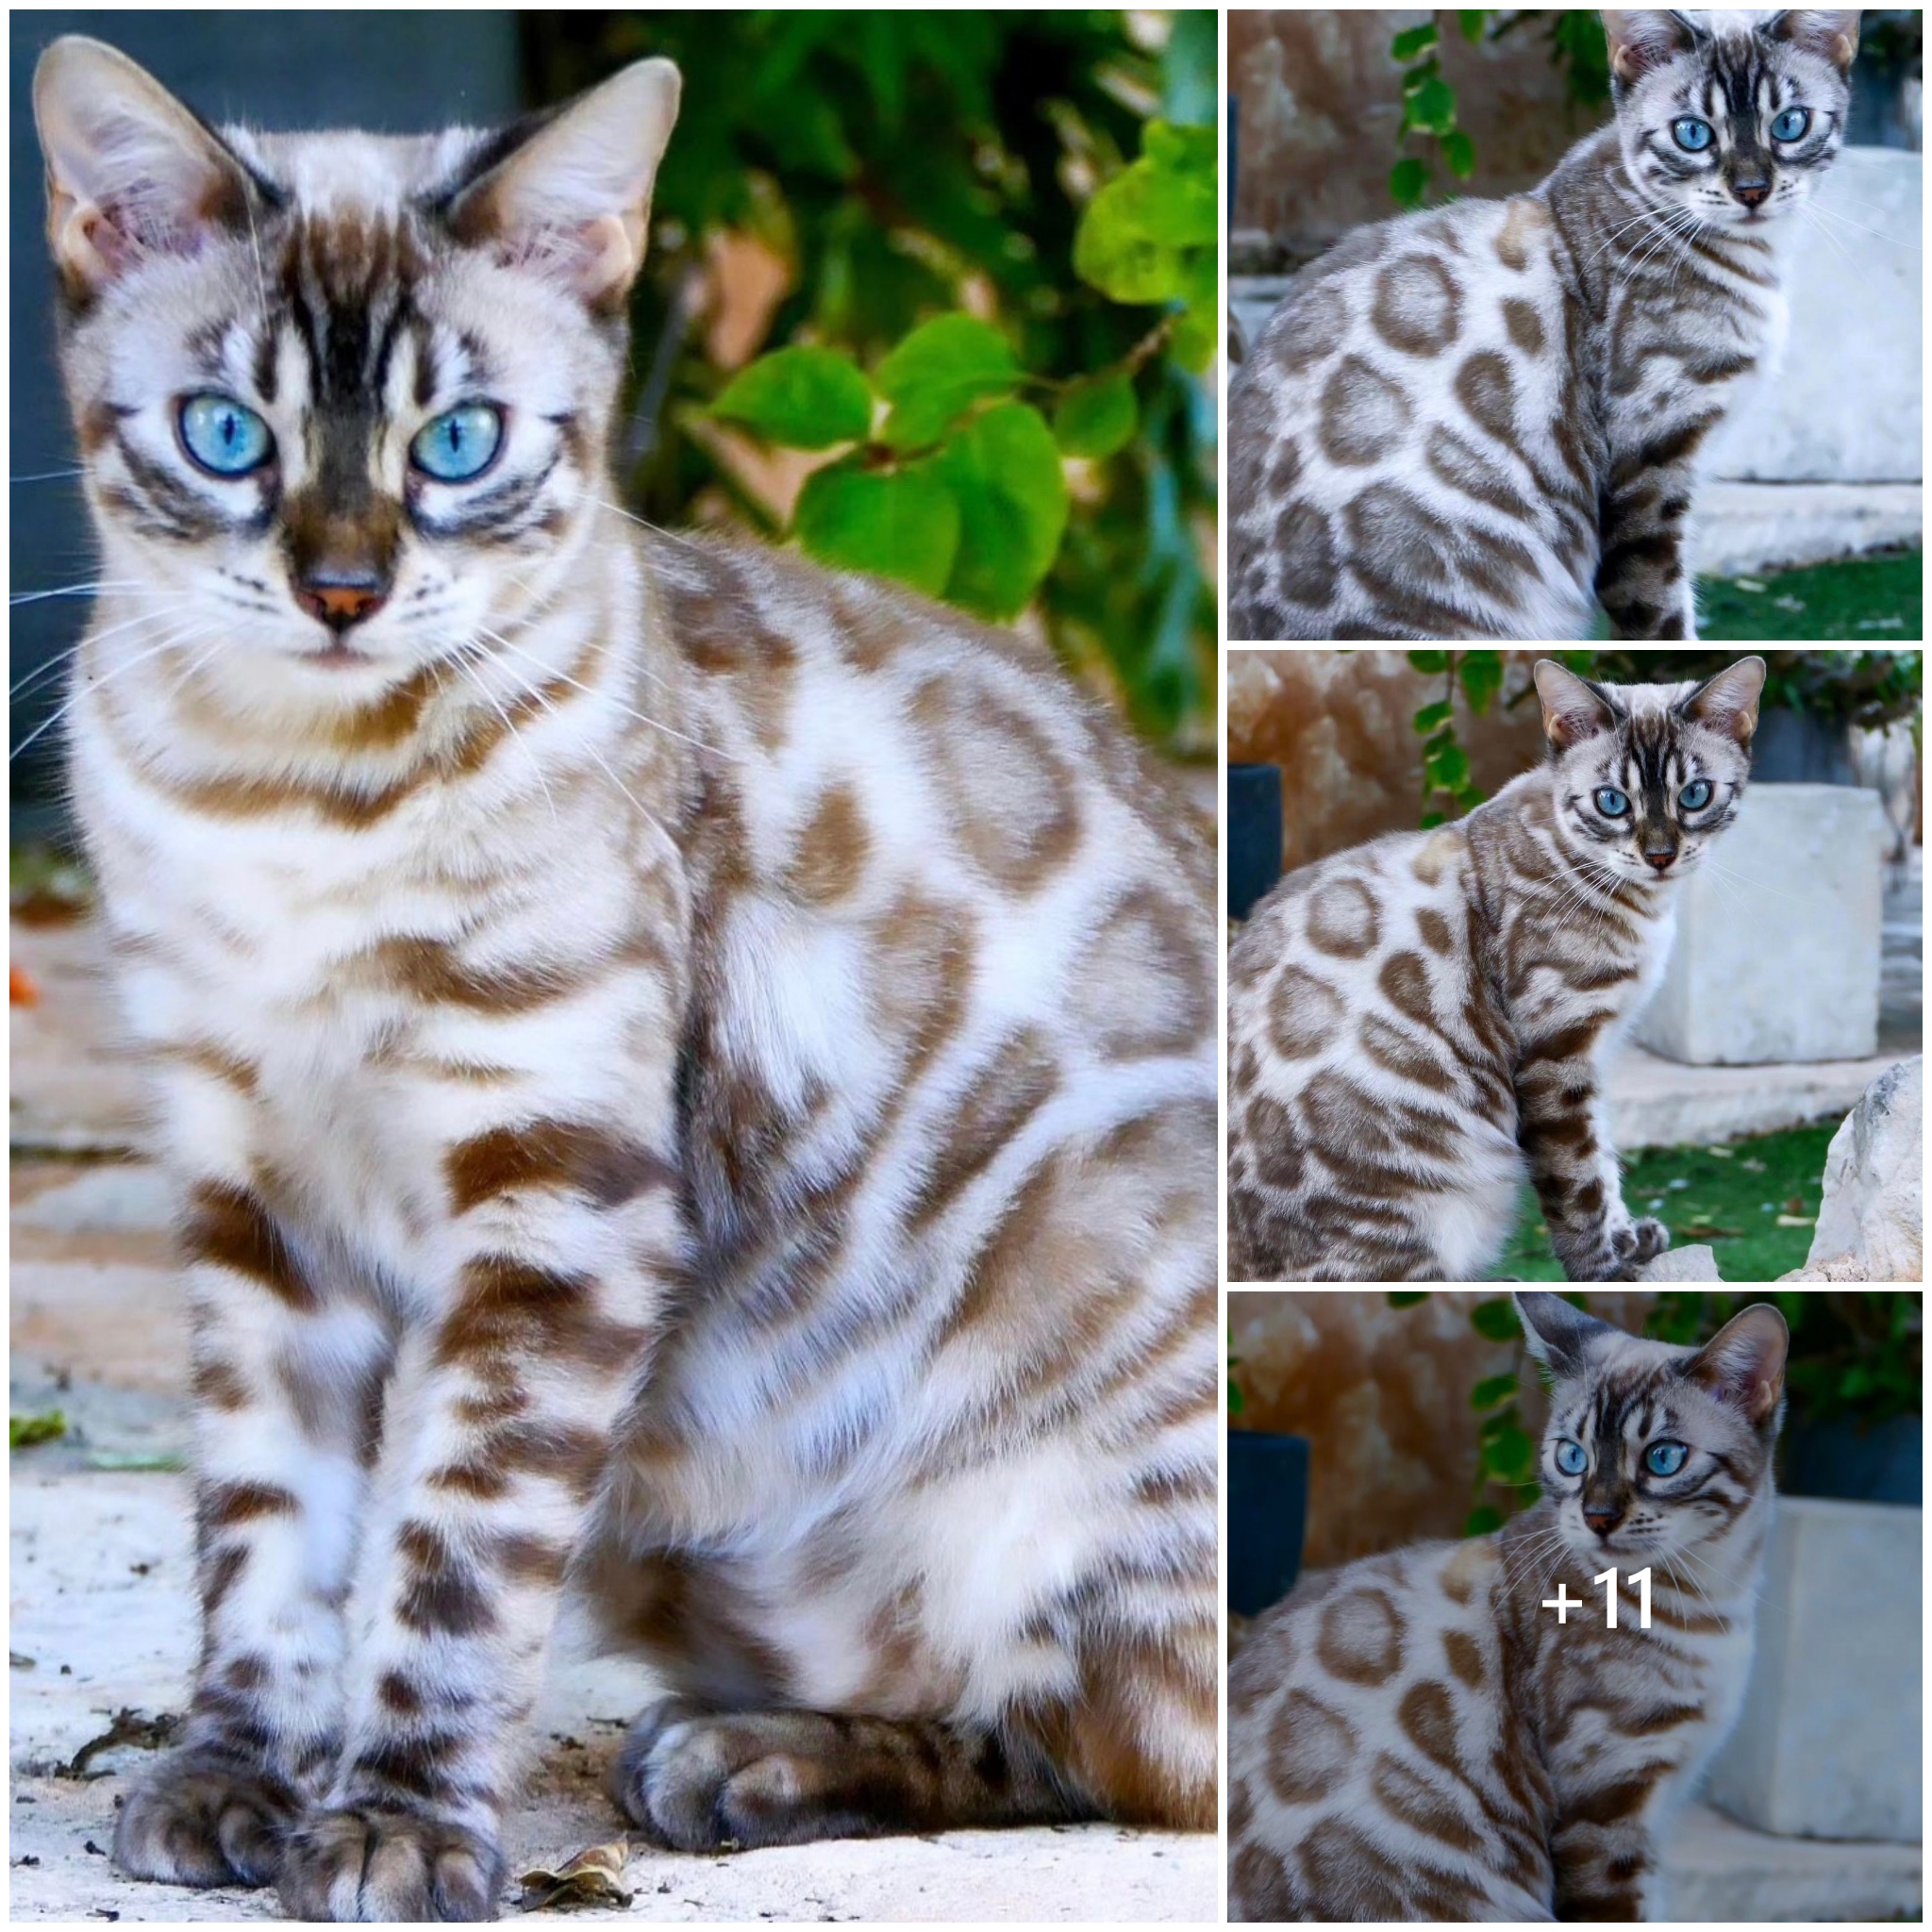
[1829, 1744]
[1778, 935]
[126, 1636]
[1661, 1103]
[1738, 528]
[1845, 402]
[1720, 1872]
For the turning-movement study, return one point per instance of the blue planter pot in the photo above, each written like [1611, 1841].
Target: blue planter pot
[1267, 1517]
[1882, 1464]
[1254, 835]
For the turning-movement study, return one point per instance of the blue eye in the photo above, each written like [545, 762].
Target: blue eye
[1790, 124]
[1692, 136]
[1696, 795]
[1665, 1458]
[1570, 1457]
[458, 444]
[1611, 803]
[225, 437]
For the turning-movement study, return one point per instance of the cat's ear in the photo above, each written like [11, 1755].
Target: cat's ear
[1743, 1363]
[1558, 1334]
[572, 197]
[131, 172]
[1832, 35]
[1642, 39]
[1729, 702]
[1574, 709]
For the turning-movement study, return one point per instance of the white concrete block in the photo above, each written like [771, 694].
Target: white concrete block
[1846, 402]
[1778, 935]
[1716, 1872]
[1740, 528]
[1828, 1743]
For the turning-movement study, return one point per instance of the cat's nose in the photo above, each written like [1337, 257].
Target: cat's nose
[342, 598]
[1661, 861]
[1752, 193]
[1604, 1519]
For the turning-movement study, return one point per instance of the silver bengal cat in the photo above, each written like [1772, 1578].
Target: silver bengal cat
[1416, 1738]
[1481, 421]
[1415, 1025]
[690, 1078]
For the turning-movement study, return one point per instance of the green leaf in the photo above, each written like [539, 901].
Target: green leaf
[1004, 472]
[1470, 18]
[1412, 40]
[1448, 768]
[806, 398]
[1133, 237]
[1492, 1389]
[1495, 1319]
[23, 1431]
[1420, 73]
[1432, 107]
[1483, 1521]
[1459, 151]
[1510, 1456]
[1408, 181]
[1406, 1297]
[1428, 660]
[1469, 796]
[1196, 338]
[1430, 820]
[1437, 742]
[939, 372]
[901, 523]
[1432, 715]
[1098, 417]
[1481, 673]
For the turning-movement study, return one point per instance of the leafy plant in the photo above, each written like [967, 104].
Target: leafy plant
[1237, 1401]
[1479, 675]
[25, 1431]
[1505, 1450]
[991, 240]
[1857, 687]
[1429, 107]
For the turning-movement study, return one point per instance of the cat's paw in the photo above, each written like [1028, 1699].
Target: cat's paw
[389, 1867]
[201, 1818]
[703, 1782]
[1642, 1242]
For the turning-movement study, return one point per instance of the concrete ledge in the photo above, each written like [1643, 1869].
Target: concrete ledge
[1723, 1874]
[1660, 1103]
[1740, 528]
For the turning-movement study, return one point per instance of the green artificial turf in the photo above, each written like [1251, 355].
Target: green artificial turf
[1726, 1198]
[1877, 600]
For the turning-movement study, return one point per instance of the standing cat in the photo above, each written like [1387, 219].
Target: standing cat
[1413, 1022]
[1414, 1737]
[1480, 420]
[688, 1076]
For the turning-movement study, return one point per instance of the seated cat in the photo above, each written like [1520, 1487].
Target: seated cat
[690, 1078]
[1415, 1025]
[1480, 420]
[1415, 1736]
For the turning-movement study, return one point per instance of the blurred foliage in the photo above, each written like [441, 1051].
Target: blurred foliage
[1479, 675]
[1855, 1354]
[1851, 598]
[996, 238]
[1429, 107]
[1861, 688]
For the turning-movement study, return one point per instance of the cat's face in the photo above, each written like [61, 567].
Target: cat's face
[1729, 119]
[1652, 1450]
[342, 401]
[1646, 775]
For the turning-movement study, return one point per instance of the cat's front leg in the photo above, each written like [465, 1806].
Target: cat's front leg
[1644, 576]
[564, 1234]
[285, 1385]
[1575, 1171]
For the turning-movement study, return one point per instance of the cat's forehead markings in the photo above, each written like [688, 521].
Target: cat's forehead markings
[360, 174]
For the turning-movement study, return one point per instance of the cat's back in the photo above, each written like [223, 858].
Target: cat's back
[1409, 451]
[1378, 1765]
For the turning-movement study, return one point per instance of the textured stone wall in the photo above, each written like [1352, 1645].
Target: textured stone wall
[1320, 101]
[1337, 724]
[1382, 1394]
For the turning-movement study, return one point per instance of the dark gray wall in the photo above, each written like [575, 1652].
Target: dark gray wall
[390, 72]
